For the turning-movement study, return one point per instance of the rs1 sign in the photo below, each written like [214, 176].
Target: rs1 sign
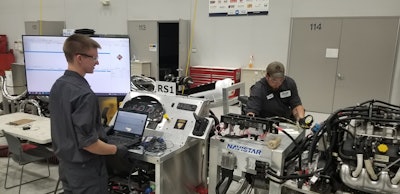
[166, 88]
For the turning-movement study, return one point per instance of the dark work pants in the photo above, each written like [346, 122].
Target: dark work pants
[84, 178]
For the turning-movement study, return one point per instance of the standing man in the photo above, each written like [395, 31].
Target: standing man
[276, 95]
[76, 129]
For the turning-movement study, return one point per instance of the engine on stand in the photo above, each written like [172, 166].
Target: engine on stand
[359, 150]
[355, 150]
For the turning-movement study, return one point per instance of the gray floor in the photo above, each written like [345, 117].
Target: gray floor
[48, 185]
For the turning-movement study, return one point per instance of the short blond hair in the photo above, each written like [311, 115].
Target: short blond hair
[78, 43]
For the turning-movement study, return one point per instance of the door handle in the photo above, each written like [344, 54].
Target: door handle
[340, 76]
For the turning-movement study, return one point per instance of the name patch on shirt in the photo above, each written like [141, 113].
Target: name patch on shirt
[285, 94]
[270, 96]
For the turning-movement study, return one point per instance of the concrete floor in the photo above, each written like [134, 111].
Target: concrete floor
[48, 185]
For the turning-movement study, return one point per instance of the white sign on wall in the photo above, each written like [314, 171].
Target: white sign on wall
[238, 7]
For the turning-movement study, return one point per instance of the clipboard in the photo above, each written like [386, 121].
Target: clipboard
[21, 122]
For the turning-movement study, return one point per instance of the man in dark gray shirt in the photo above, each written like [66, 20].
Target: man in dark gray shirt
[76, 129]
[275, 95]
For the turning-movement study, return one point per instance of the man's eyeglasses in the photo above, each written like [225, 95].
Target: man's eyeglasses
[276, 80]
[89, 56]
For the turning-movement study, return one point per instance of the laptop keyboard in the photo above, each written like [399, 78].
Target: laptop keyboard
[118, 140]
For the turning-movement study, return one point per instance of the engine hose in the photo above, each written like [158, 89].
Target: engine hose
[343, 156]
[212, 115]
[363, 117]
[371, 119]
[299, 149]
[324, 127]
[328, 126]
[332, 145]
[395, 180]
[286, 133]
[375, 110]
[370, 110]
[359, 167]
[370, 169]
[314, 143]
[378, 101]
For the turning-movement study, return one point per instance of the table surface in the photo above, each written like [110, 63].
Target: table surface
[39, 131]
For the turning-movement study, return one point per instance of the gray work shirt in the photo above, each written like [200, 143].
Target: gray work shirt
[75, 118]
[266, 102]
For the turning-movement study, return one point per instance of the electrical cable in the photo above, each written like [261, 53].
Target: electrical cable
[226, 173]
[303, 145]
[277, 182]
[283, 119]
[129, 179]
[325, 127]
[379, 101]
[390, 165]
[297, 176]
[155, 146]
[294, 141]
[286, 133]
[213, 116]
[250, 190]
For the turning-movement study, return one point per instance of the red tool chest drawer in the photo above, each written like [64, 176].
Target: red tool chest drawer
[207, 74]
[3, 43]
[6, 59]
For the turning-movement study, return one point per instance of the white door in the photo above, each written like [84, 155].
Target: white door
[340, 62]
[366, 60]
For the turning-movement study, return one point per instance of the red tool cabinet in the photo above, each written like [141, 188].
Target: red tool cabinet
[6, 59]
[3, 43]
[208, 74]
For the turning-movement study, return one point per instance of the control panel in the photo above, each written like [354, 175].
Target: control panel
[174, 118]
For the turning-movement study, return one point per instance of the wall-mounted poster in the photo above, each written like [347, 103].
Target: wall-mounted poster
[238, 7]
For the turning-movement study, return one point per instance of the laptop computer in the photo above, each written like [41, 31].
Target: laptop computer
[128, 128]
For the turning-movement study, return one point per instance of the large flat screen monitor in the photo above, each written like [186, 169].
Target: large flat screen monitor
[45, 62]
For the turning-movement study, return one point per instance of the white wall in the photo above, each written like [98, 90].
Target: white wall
[220, 41]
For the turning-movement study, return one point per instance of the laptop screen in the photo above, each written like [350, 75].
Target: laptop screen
[132, 122]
